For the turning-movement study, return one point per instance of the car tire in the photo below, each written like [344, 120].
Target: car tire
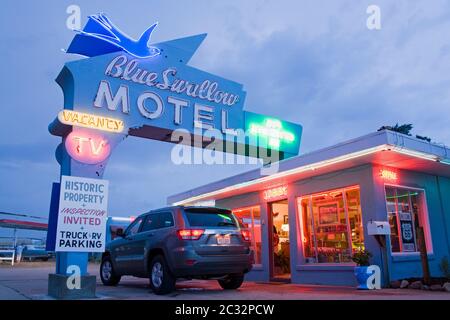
[232, 281]
[107, 274]
[161, 279]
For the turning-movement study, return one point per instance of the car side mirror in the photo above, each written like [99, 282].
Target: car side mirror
[120, 233]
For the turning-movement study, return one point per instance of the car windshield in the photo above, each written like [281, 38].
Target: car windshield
[211, 219]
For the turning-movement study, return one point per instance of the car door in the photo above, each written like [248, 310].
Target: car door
[153, 235]
[164, 224]
[142, 242]
[124, 248]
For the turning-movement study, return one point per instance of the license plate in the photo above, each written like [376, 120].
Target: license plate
[223, 240]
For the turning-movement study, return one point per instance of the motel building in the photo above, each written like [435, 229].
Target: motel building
[308, 218]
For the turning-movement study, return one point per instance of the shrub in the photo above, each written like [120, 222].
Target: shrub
[362, 258]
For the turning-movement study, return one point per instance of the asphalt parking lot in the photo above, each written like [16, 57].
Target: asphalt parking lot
[29, 281]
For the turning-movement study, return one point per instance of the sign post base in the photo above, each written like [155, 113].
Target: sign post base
[57, 287]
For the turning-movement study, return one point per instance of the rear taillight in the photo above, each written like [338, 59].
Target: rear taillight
[246, 235]
[190, 234]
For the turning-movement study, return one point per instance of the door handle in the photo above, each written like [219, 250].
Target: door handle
[150, 235]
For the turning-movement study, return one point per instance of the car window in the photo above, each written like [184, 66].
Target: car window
[165, 220]
[134, 227]
[151, 222]
[211, 219]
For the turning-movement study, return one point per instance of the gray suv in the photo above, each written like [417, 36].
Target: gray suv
[180, 242]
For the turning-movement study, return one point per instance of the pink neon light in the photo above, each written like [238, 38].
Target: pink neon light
[275, 193]
[388, 174]
[89, 148]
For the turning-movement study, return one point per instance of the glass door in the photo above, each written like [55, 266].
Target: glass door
[279, 228]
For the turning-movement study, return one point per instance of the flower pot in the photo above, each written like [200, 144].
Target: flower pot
[362, 275]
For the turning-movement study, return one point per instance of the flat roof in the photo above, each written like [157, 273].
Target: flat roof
[20, 224]
[386, 148]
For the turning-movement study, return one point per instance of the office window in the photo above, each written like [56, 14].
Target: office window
[251, 219]
[406, 211]
[331, 227]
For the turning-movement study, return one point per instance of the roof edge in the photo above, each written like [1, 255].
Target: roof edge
[384, 138]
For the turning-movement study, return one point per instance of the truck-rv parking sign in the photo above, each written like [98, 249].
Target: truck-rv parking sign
[82, 215]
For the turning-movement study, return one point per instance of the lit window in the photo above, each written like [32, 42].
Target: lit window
[406, 213]
[251, 219]
[332, 227]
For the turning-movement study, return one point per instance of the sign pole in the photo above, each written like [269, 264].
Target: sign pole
[82, 192]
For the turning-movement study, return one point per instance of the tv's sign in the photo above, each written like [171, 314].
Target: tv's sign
[87, 147]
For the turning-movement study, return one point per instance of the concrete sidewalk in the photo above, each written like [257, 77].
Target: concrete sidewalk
[29, 281]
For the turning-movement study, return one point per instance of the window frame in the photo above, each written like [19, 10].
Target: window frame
[251, 208]
[133, 224]
[424, 218]
[158, 217]
[299, 212]
[196, 225]
[159, 220]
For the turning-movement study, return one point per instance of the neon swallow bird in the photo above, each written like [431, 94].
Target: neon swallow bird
[103, 29]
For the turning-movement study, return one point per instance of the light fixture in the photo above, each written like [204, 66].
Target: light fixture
[129, 219]
[387, 174]
[87, 147]
[101, 28]
[272, 129]
[416, 154]
[275, 193]
[92, 121]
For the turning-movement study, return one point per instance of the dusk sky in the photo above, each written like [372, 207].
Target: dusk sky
[311, 62]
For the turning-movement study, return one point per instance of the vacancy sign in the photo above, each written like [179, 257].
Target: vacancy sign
[82, 216]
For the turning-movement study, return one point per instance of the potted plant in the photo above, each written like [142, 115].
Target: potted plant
[282, 262]
[362, 260]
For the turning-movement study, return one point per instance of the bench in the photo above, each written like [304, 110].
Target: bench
[8, 258]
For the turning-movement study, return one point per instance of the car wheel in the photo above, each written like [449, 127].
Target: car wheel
[161, 279]
[107, 274]
[232, 281]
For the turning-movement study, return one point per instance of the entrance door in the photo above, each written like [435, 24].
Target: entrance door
[280, 254]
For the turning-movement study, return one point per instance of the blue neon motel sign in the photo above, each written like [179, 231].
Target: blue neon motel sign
[152, 90]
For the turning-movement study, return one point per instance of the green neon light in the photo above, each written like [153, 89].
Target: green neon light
[272, 129]
[403, 195]
[224, 216]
